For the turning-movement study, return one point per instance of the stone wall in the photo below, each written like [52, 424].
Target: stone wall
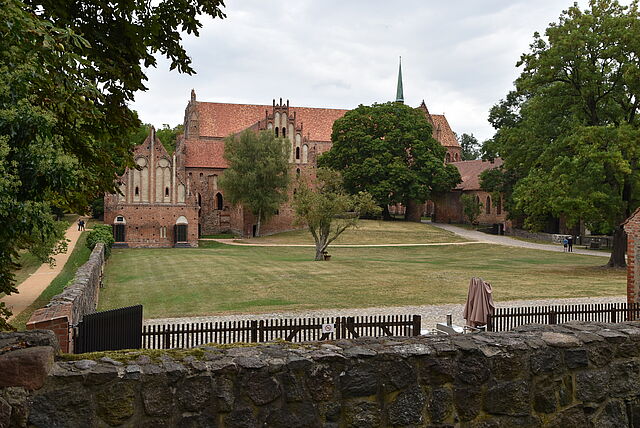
[539, 236]
[67, 308]
[572, 375]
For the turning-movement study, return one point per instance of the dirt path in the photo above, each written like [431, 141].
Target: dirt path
[35, 284]
[507, 240]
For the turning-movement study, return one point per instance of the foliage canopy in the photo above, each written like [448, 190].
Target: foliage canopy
[328, 210]
[258, 173]
[388, 151]
[569, 133]
[68, 70]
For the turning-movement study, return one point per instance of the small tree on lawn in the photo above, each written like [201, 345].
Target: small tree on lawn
[471, 207]
[258, 173]
[328, 210]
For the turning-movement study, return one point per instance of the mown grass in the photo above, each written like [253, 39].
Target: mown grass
[78, 257]
[370, 232]
[218, 278]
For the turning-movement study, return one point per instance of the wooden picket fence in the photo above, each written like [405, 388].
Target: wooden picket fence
[166, 336]
[505, 319]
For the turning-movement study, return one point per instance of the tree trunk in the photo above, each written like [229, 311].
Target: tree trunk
[413, 211]
[386, 215]
[619, 248]
[321, 247]
[258, 224]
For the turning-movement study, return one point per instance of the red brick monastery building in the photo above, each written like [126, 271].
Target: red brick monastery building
[172, 199]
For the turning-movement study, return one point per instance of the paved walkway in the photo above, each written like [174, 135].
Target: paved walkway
[258, 244]
[512, 242]
[34, 285]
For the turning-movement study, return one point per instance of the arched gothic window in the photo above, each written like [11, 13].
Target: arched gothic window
[297, 152]
[284, 132]
[276, 132]
[488, 205]
[219, 201]
[447, 158]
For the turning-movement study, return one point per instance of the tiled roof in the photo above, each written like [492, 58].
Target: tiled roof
[221, 119]
[470, 172]
[205, 154]
[447, 138]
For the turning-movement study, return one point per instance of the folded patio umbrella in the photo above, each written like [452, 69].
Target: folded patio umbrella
[479, 302]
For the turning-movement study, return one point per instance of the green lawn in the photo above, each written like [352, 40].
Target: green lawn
[224, 279]
[370, 232]
[78, 257]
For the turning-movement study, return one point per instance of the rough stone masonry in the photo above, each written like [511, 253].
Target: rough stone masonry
[572, 375]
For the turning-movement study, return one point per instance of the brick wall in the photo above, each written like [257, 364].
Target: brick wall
[143, 222]
[66, 310]
[632, 227]
[448, 208]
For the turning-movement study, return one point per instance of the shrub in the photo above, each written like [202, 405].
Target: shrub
[101, 233]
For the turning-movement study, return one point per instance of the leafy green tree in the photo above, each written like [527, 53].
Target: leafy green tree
[168, 136]
[258, 173]
[328, 210]
[388, 151]
[568, 133]
[470, 147]
[68, 70]
[471, 206]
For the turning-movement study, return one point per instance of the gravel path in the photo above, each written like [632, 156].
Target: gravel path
[431, 314]
[506, 240]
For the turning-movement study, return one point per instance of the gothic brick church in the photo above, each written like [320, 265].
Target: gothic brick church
[172, 199]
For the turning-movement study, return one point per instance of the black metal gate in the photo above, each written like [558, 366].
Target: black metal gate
[119, 233]
[110, 330]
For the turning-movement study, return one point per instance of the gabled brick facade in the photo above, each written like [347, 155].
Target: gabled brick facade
[632, 227]
[185, 191]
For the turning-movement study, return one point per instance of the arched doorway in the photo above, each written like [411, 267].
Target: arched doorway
[219, 201]
[181, 230]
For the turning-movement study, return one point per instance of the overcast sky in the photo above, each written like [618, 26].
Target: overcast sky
[459, 56]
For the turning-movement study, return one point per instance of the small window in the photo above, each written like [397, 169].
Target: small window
[297, 152]
[137, 191]
[488, 206]
[166, 191]
[120, 219]
[297, 171]
[276, 132]
[284, 132]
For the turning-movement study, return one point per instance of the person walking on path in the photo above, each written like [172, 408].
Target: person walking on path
[570, 244]
[79, 224]
[565, 243]
[34, 285]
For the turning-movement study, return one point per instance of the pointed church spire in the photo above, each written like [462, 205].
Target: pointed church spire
[399, 91]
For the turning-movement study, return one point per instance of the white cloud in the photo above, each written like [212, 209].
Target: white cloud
[458, 56]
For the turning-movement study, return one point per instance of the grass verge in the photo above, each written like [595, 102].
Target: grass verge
[78, 257]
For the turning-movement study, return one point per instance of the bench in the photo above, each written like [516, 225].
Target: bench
[594, 245]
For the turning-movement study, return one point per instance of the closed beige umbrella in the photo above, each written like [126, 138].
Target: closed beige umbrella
[479, 303]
